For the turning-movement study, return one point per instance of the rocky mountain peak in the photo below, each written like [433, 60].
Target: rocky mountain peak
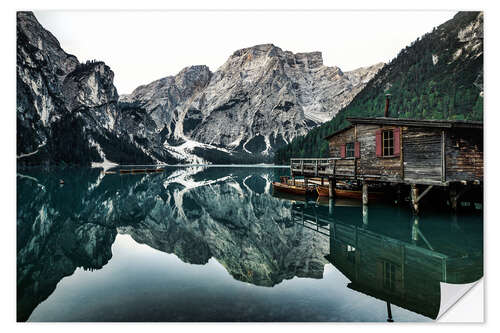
[258, 100]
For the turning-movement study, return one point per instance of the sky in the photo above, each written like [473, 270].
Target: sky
[143, 46]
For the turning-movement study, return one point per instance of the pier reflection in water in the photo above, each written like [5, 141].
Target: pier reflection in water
[217, 247]
[394, 256]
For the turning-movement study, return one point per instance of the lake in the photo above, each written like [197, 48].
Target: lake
[207, 244]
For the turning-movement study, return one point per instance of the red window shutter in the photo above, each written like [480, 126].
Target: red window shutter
[356, 149]
[342, 151]
[396, 132]
[378, 143]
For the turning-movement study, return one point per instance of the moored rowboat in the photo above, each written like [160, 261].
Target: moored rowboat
[345, 193]
[300, 190]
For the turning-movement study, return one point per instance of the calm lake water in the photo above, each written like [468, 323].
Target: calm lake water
[214, 244]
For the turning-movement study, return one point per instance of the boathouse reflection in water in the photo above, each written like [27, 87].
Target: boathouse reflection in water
[387, 254]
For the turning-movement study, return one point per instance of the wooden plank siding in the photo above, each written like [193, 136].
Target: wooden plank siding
[435, 153]
[422, 154]
[387, 168]
[464, 155]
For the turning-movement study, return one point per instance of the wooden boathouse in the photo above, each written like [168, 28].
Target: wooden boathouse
[418, 153]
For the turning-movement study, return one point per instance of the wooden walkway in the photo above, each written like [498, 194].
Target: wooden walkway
[324, 167]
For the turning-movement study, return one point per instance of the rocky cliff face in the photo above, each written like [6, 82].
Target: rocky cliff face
[259, 100]
[66, 111]
[41, 68]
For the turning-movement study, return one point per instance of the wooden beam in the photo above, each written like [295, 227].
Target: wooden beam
[424, 192]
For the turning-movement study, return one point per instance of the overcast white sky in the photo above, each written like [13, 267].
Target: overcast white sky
[142, 46]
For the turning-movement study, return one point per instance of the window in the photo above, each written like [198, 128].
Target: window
[387, 143]
[349, 149]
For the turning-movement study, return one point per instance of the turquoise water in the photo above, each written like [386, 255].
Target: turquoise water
[214, 244]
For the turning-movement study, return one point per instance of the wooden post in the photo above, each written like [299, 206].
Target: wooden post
[293, 179]
[454, 221]
[365, 216]
[365, 193]
[322, 181]
[331, 203]
[414, 198]
[316, 168]
[414, 230]
[331, 187]
[389, 313]
[398, 194]
[453, 198]
[306, 182]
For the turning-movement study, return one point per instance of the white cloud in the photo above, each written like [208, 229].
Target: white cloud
[142, 46]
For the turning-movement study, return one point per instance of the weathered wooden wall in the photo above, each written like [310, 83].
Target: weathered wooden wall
[338, 140]
[422, 154]
[464, 155]
[388, 168]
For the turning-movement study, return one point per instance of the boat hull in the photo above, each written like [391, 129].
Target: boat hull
[323, 191]
[297, 190]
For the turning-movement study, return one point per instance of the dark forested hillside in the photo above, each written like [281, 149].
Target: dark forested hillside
[439, 76]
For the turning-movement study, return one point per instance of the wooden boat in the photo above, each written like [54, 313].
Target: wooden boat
[294, 189]
[298, 190]
[323, 191]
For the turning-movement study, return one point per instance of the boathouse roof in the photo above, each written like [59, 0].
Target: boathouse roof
[410, 122]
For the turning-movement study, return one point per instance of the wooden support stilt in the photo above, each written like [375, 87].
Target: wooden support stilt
[322, 181]
[331, 203]
[306, 182]
[398, 194]
[414, 230]
[365, 216]
[424, 192]
[414, 199]
[453, 198]
[365, 193]
[331, 187]
[389, 313]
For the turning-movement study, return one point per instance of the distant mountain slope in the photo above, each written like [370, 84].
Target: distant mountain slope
[439, 76]
[258, 100]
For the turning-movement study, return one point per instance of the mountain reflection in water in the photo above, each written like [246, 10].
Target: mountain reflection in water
[224, 219]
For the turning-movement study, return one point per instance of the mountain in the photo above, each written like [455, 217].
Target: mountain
[439, 76]
[258, 100]
[262, 98]
[66, 111]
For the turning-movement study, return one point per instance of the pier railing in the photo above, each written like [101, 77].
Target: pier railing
[326, 167]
